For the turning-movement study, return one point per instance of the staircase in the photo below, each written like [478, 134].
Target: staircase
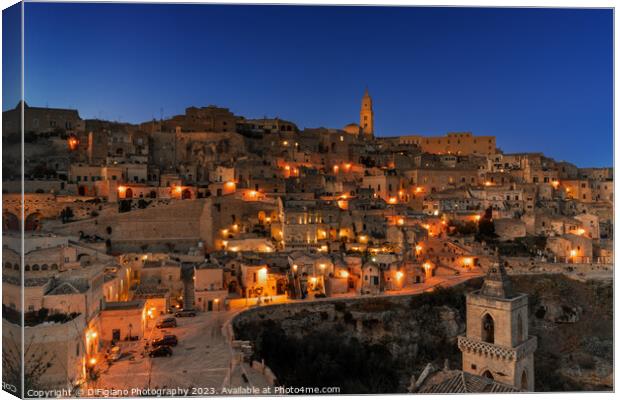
[187, 275]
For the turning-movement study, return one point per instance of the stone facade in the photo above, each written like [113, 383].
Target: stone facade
[497, 344]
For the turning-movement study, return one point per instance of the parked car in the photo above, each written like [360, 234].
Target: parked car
[185, 313]
[162, 351]
[115, 353]
[167, 340]
[167, 323]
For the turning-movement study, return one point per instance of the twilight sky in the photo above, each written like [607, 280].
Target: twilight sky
[538, 79]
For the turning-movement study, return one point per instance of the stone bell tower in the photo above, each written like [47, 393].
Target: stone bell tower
[367, 116]
[497, 344]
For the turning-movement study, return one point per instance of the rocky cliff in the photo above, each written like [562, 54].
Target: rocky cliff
[374, 345]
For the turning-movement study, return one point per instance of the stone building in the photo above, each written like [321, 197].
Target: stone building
[463, 143]
[40, 120]
[497, 344]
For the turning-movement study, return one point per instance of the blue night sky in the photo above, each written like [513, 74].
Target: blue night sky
[538, 79]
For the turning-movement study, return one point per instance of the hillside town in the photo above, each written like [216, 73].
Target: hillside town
[142, 240]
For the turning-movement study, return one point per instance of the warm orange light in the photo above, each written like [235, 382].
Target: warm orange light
[122, 189]
[392, 200]
[555, 183]
[285, 143]
[476, 218]
[336, 169]
[418, 248]
[253, 193]
[73, 143]
[344, 274]
[427, 266]
[488, 183]
[178, 189]
[230, 185]
[581, 231]
[467, 261]
[216, 300]
[418, 189]
[294, 267]
[363, 238]
[401, 221]
[92, 361]
[347, 166]
[313, 280]
[399, 275]
[573, 253]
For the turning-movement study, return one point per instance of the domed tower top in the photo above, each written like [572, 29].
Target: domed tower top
[367, 117]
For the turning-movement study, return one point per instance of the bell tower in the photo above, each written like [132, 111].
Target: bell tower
[497, 344]
[367, 116]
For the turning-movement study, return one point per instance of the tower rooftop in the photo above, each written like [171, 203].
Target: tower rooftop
[497, 283]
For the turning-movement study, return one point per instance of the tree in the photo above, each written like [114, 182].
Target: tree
[37, 362]
[486, 227]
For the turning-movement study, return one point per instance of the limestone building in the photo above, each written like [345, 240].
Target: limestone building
[461, 143]
[497, 344]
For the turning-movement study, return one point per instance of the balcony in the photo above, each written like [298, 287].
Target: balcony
[470, 345]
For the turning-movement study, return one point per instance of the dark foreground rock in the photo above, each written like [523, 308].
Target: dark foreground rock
[374, 345]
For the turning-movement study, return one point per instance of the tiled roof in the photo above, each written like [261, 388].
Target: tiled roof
[464, 382]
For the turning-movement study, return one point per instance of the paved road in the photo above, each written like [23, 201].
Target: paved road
[201, 358]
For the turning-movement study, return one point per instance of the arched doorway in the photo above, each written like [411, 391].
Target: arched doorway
[10, 222]
[128, 193]
[33, 222]
[524, 381]
[488, 374]
[488, 329]
[186, 194]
